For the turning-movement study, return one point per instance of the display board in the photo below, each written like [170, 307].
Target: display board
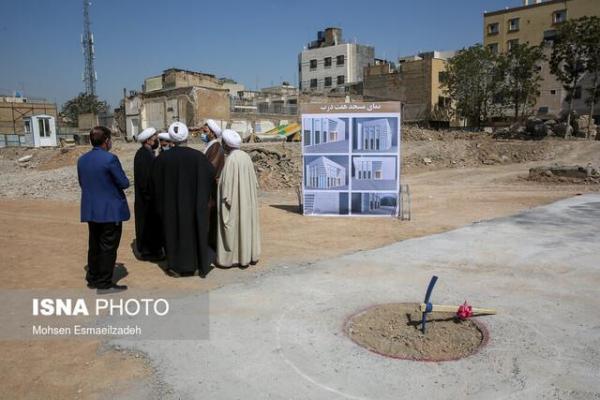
[351, 159]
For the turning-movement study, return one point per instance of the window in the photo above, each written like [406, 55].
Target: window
[328, 81]
[493, 29]
[443, 102]
[559, 16]
[327, 62]
[510, 44]
[550, 36]
[313, 83]
[339, 60]
[313, 64]
[27, 126]
[44, 125]
[442, 76]
[307, 137]
[493, 47]
[553, 91]
[513, 24]
[341, 79]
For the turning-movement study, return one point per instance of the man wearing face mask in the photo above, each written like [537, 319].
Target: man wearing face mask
[104, 208]
[211, 133]
[146, 229]
[165, 141]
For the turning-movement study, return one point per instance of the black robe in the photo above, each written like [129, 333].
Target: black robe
[147, 226]
[182, 179]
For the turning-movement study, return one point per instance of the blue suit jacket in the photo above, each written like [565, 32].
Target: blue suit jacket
[102, 181]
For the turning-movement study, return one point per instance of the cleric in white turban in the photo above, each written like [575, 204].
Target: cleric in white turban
[146, 231]
[165, 141]
[238, 235]
[182, 179]
[178, 131]
[146, 134]
[211, 132]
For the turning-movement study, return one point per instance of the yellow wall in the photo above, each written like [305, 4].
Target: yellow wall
[534, 20]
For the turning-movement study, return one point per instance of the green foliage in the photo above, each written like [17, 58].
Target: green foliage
[591, 42]
[474, 84]
[82, 104]
[568, 59]
[521, 76]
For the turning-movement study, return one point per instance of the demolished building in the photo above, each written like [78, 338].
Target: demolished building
[176, 95]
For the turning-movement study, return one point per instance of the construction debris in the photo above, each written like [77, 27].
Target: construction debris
[565, 174]
[277, 166]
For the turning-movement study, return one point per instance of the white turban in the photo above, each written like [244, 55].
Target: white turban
[232, 138]
[178, 132]
[164, 136]
[146, 134]
[214, 127]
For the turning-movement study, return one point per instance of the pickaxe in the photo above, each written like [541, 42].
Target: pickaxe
[426, 307]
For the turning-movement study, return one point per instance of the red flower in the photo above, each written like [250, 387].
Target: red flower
[464, 311]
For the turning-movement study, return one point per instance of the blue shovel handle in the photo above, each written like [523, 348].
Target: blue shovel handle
[427, 303]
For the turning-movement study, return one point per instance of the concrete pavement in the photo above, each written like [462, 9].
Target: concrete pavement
[280, 336]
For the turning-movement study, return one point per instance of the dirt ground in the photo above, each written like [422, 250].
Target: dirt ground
[394, 330]
[444, 196]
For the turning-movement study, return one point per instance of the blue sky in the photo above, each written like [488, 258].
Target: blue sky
[255, 42]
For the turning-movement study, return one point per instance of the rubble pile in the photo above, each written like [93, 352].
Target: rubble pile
[413, 133]
[565, 174]
[538, 128]
[277, 166]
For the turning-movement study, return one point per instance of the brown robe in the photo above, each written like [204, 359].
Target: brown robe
[216, 156]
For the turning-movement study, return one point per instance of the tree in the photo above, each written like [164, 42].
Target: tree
[521, 76]
[591, 42]
[568, 59]
[473, 83]
[83, 103]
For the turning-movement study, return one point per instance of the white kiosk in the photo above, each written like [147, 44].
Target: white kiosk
[40, 131]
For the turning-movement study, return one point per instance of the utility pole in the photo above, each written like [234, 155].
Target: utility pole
[87, 43]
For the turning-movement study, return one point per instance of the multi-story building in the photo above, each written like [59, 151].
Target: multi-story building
[329, 63]
[535, 23]
[416, 81]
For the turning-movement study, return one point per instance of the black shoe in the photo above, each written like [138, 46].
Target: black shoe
[172, 273]
[111, 289]
[92, 286]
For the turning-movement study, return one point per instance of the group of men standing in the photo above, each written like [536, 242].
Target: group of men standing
[192, 208]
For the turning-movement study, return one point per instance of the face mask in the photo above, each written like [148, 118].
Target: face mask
[204, 138]
[165, 148]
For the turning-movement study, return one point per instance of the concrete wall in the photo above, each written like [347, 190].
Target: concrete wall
[173, 78]
[153, 83]
[211, 104]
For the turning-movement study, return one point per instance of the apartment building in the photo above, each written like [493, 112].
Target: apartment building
[535, 22]
[330, 63]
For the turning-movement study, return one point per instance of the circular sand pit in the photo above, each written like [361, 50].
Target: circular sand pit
[394, 330]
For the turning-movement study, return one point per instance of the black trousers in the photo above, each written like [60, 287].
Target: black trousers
[103, 244]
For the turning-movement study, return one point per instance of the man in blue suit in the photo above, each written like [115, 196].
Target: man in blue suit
[104, 207]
